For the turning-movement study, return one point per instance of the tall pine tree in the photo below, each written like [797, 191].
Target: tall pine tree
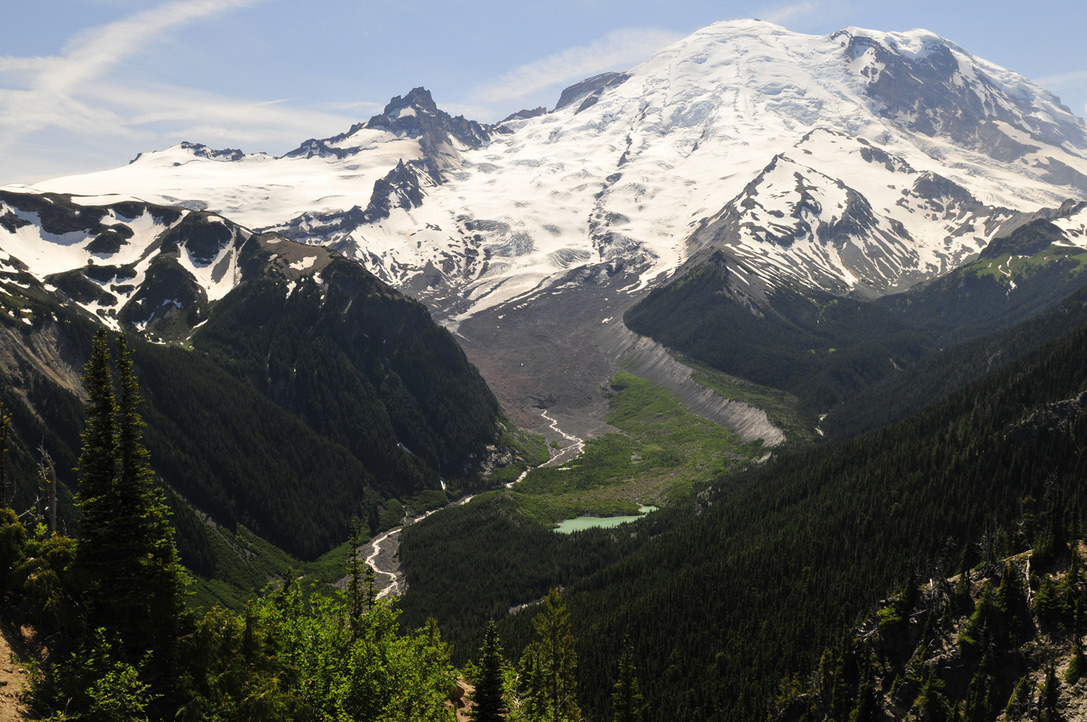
[127, 551]
[549, 665]
[489, 698]
[626, 698]
[97, 464]
[163, 580]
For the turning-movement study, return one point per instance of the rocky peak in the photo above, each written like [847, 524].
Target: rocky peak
[417, 116]
[202, 151]
[419, 99]
[590, 87]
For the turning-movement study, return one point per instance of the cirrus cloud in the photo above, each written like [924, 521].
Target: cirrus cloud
[82, 92]
[618, 50]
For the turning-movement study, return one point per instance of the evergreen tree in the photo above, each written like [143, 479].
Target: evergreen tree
[626, 698]
[1077, 664]
[489, 698]
[1049, 697]
[97, 462]
[981, 703]
[932, 703]
[162, 578]
[1020, 701]
[549, 665]
[127, 551]
[370, 587]
[866, 709]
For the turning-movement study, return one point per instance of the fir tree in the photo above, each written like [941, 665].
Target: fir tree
[626, 698]
[371, 587]
[97, 461]
[162, 578]
[489, 698]
[127, 551]
[549, 665]
[1049, 697]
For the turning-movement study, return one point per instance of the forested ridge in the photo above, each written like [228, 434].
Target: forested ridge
[295, 406]
[821, 347]
[944, 372]
[1002, 637]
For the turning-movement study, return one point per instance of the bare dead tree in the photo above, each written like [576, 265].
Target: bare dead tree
[5, 429]
[48, 473]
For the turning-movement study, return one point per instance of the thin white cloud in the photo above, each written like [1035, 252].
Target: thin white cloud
[66, 91]
[93, 51]
[471, 112]
[157, 105]
[782, 14]
[618, 50]
[1063, 79]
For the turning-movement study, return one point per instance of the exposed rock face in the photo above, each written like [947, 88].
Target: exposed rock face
[318, 148]
[852, 239]
[399, 189]
[156, 268]
[202, 151]
[416, 115]
[590, 87]
[929, 87]
[524, 114]
[647, 358]
[1052, 418]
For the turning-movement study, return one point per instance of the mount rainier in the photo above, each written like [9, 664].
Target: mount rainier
[859, 163]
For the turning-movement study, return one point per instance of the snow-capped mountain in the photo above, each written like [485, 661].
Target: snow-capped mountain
[859, 162]
[822, 160]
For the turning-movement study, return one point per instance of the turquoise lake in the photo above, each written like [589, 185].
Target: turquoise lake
[568, 526]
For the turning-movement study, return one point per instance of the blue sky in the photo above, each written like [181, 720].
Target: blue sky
[88, 84]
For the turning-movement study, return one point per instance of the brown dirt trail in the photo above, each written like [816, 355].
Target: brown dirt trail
[12, 680]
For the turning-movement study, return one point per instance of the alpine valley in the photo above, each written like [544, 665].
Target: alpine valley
[821, 299]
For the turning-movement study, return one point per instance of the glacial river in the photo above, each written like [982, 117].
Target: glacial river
[381, 551]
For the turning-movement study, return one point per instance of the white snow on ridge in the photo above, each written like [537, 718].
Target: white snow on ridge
[47, 253]
[1075, 228]
[256, 191]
